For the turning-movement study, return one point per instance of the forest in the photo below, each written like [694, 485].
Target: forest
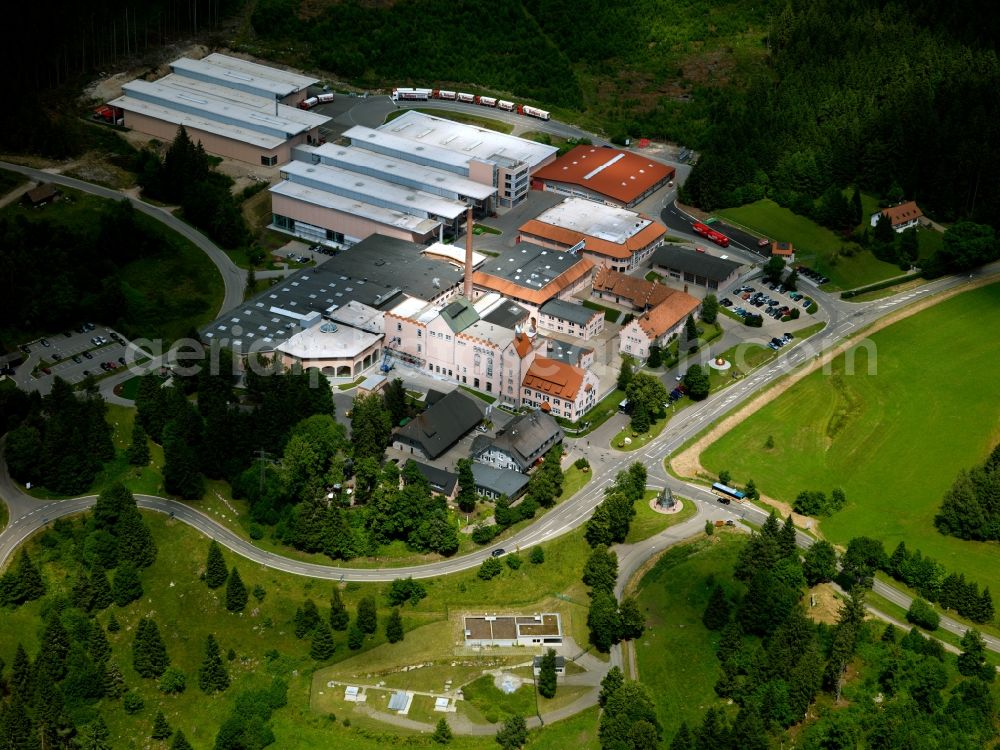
[971, 507]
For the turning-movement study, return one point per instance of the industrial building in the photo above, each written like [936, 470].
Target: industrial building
[683, 266]
[233, 108]
[532, 275]
[605, 175]
[608, 235]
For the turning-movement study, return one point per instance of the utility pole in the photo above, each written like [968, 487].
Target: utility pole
[262, 456]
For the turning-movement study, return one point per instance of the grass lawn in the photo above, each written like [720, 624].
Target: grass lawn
[488, 399]
[610, 314]
[606, 408]
[129, 388]
[642, 439]
[352, 384]
[815, 246]
[578, 732]
[648, 522]
[486, 703]
[574, 480]
[469, 119]
[893, 441]
[653, 276]
[10, 180]
[186, 611]
[676, 654]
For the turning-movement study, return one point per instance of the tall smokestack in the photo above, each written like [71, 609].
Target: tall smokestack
[468, 253]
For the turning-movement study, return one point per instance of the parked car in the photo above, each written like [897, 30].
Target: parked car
[88, 355]
[77, 359]
[44, 342]
[121, 361]
[763, 242]
[788, 337]
[726, 302]
[46, 370]
[498, 552]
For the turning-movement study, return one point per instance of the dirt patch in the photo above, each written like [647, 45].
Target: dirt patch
[827, 604]
[785, 510]
[109, 87]
[688, 462]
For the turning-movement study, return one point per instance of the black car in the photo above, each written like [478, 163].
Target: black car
[726, 302]
[88, 355]
[498, 552]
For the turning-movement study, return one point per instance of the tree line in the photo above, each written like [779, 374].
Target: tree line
[971, 506]
[774, 663]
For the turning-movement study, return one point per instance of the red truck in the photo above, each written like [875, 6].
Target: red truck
[710, 234]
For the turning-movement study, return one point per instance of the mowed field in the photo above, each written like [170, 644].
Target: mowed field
[894, 441]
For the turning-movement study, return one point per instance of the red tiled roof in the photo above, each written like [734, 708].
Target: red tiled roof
[782, 248]
[667, 314]
[569, 237]
[625, 177]
[554, 378]
[903, 213]
[639, 292]
[534, 296]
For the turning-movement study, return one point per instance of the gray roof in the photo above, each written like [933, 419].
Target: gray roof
[441, 426]
[691, 261]
[374, 272]
[530, 265]
[500, 481]
[397, 702]
[564, 310]
[565, 352]
[440, 480]
[507, 315]
[523, 438]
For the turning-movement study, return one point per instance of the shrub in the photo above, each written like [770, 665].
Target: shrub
[256, 531]
[581, 463]
[921, 613]
[484, 533]
[537, 556]
[173, 681]
[490, 568]
[132, 703]
[513, 562]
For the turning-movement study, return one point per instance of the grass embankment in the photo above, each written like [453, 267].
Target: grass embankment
[186, 611]
[648, 522]
[467, 118]
[676, 654]
[894, 441]
[574, 480]
[815, 246]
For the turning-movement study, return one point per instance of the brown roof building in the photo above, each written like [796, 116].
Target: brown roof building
[41, 194]
[658, 325]
[783, 250]
[532, 275]
[628, 290]
[606, 175]
[902, 217]
[512, 630]
[558, 388]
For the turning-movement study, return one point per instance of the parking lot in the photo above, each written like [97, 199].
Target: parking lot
[75, 354]
[772, 302]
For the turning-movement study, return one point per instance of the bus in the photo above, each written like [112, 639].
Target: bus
[726, 493]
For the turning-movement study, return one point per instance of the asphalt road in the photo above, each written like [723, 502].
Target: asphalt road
[741, 244]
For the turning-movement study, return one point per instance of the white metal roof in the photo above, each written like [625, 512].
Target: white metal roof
[280, 82]
[454, 253]
[386, 216]
[413, 308]
[469, 140]
[389, 165]
[363, 136]
[595, 219]
[142, 107]
[381, 190]
[288, 119]
[328, 341]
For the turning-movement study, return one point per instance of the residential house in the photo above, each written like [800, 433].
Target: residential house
[784, 250]
[657, 326]
[558, 388]
[571, 318]
[629, 291]
[524, 440]
[902, 217]
[492, 483]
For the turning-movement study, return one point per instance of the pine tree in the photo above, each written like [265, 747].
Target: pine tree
[96, 736]
[212, 674]
[547, 675]
[367, 615]
[339, 617]
[442, 732]
[683, 739]
[82, 595]
[717, 611]
[161, 729]
[394, 627]
[786, 540]
[138, 452]
[236, 592]
[27, 580]
[97, 644]
[114, 682]
[467, 497]
[513, 734]
[355, 637]
[100, 589]
[322, 647]
[113, 625]
[126, 587]
[215, 567]
[149, 654]
[180, 742]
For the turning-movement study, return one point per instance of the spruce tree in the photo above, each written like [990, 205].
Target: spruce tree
[135, 541]
[28, 583]
[113, 625]
[339, 617]
[114, 681]
[717, 610]
[236, 592]
[101, 590]
[394, 627]
[126, 587]
[96, 736]
[215, 568]
[180, 742]
[683, 739]
[161, 729]
[82, 595]
[22, 673]
[786, 540]
[442, 732]
[97, 644]
[355, 637]
[547, 675]
[367, 615]
[149, 654]
[138, 452]
[322, 647]
[212, 674]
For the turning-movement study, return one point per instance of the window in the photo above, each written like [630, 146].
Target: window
[268, 161]
[420, 333]
[418, 348]
[475, 382]
[399, 327]
[489, 387]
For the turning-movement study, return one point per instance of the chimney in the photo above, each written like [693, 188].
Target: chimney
[468, 253]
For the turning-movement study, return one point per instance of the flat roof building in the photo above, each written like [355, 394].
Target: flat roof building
[532, 275]
[231, 112]
[610, 235]
[606, 175]
[682, 265]
[232, 72]
[512, 630]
